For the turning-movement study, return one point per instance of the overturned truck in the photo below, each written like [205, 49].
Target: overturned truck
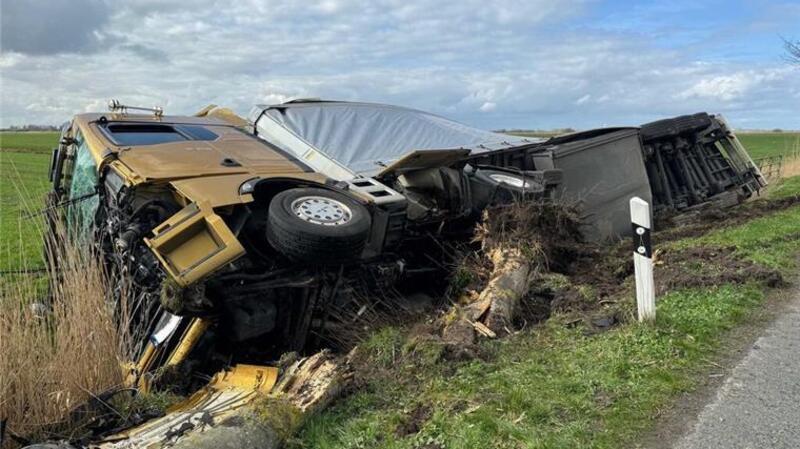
[676, 163]
[237, 239]
[696, 159]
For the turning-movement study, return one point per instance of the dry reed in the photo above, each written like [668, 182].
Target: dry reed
[59, 343]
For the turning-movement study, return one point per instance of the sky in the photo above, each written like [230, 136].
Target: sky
[496, 65]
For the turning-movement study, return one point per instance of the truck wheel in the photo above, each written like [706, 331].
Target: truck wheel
[317, 226]
[674, 126]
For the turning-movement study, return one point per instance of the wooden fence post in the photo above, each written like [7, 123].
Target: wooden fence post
[643, 259]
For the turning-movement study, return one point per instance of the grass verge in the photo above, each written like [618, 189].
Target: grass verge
[24, 159]
[560, 385]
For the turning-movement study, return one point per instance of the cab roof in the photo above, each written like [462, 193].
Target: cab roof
[149, 118]
[179, 147]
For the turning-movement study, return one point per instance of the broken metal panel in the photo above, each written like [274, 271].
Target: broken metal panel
[224, 114]
[189, 340]
[600, 175]
[424, 159]
[194, 243]
[226, 189]
[227, 393]
[139, 372]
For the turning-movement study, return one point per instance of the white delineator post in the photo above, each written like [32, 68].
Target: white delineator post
[643, 259]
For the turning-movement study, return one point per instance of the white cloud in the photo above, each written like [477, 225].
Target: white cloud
[8, 60]
[491, 64]
[734, 86]
[722, 87]
[488, 106]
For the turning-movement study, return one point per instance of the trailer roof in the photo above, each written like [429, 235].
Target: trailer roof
[366, 136]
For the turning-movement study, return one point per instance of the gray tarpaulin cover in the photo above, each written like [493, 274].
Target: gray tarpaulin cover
[364, 136]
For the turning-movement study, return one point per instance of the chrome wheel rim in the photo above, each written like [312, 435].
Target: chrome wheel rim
[321, 210]
[513, 181]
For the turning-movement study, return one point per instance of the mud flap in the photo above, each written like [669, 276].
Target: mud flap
[193, 243]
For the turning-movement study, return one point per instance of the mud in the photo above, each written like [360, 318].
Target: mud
[699, 222]
[596, 282]
[413, 421]
[709, 266]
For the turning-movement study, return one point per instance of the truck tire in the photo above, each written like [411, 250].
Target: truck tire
[675, 126]
[317, 226]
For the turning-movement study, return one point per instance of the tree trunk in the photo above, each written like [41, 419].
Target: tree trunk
[508, 284]
[491, 314]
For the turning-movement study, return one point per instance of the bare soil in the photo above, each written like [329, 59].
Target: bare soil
[414, 421]
[598, 279]
[699, 222]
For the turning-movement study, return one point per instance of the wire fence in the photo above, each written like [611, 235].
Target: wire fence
[770, 167]
[35, 270]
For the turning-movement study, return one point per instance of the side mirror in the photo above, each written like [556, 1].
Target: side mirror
[53, 163]
[56, 165]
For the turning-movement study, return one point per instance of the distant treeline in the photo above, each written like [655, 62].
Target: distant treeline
[25, 128]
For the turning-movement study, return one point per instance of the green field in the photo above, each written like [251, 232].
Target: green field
[770, 144]
[24, 159]
[758, 144]
[41, 142]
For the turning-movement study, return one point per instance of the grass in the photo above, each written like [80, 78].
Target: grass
[40, 380]
[38, 142]
[758, 144]
[772, 241]
[770, 144]
[552, 388]
[21, 193]
[557, 386]
[24, 162]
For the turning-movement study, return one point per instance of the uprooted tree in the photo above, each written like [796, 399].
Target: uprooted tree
[517, 242]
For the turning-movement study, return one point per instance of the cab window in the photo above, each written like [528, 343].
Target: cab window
[82, 185]
[139, 134]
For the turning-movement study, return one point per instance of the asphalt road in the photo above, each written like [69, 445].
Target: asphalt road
[758, 406]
